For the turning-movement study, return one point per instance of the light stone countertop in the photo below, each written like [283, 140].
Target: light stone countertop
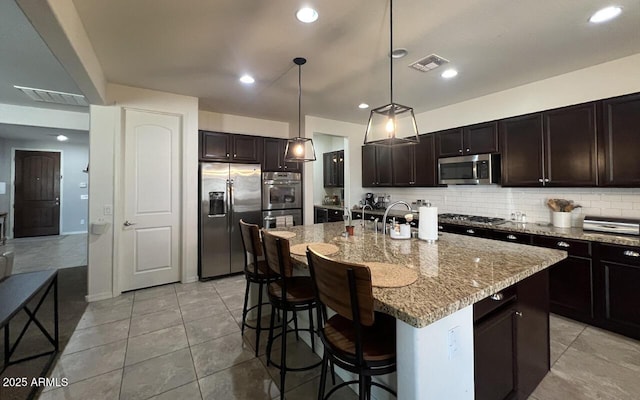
[528, 228]
[455, 272]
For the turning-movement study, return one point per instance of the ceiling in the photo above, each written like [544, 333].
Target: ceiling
[200, 48]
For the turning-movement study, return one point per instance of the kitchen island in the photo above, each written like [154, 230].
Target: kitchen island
[434, 314]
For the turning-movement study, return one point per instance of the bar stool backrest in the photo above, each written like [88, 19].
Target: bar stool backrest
[277, 254]
[343, 287]
[250, 234]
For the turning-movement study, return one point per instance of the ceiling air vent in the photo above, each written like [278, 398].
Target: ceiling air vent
[428, 63]
[51, 96]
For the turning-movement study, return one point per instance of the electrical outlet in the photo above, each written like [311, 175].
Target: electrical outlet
[107, 209]
[84, 197]
[82, 222]
[452, 341]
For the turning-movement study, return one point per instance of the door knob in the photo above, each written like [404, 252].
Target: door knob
[127, 223]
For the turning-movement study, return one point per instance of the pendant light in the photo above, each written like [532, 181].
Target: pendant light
[392, 124]
[299, 149]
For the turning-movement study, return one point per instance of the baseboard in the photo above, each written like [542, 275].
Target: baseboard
[98, 296]
[73, 233]
[191, 279]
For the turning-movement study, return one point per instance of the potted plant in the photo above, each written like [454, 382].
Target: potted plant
[561, 216]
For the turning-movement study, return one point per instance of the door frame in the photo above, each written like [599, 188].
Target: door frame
[118, 193]
[12, 197]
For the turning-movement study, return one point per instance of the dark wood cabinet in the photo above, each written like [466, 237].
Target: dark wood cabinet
[219, 146]
[571, 281]
[554, 148]
[514, 237]
[273, 159]
[511, 340]
[521, 145]
[415, 165]
[473, 139]
[619, 280]
[333, 168]
[376, 166]
[464, 230]
[570, 139]
[620, 141]
[449, 142]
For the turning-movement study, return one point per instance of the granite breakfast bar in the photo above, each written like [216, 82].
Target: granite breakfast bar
[434, 314]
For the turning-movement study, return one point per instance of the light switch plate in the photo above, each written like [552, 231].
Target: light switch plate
[84, 197]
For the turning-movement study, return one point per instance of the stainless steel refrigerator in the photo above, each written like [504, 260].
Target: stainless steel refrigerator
[228, 193]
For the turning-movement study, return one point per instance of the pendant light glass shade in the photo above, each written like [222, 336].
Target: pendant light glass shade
[299, 149]
[392, 124]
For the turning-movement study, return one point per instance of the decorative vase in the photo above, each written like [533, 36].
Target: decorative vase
[561, 219]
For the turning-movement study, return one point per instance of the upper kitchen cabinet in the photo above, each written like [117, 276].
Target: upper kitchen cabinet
[554, 148]
[474, 139]
[273, 159]
[415, 165]
[219, 146]
[333, 168]
[570, 153]
[620, 141]
[521, 144]
[376, 166]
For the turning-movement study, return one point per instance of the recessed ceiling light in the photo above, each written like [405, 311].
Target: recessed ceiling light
[449, 73]
[307, 15]
[605, 14]
[248, 79]
[399, 53]
[62, 138]
[363, 105]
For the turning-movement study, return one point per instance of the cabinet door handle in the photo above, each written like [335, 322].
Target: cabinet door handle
[511, 237]
[563, 244]
[235, 155]
[440, 227]
[497, 296]
[460, 151]
[471, 231]
[227, 155]
[630, 253]
[518, 314]
[468, 150]
[540, 180]
[547, 180]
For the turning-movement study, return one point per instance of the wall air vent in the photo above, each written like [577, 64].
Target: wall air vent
[428, 63]
[51, 96]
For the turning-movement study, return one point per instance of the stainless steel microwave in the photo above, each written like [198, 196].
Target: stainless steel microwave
[478, 169]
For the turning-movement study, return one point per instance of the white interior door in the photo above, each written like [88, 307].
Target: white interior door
[150, 236]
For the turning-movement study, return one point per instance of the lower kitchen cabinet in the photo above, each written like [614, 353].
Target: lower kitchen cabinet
[571, 280]
[322, 215]
[464, 230]
[511, 340]
[619, 273]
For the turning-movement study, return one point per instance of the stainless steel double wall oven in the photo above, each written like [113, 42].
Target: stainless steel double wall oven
[281, 196]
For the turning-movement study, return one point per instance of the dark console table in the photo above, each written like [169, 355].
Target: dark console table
[16, 292]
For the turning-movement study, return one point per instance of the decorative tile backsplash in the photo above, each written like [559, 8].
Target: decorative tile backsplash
[496, 201]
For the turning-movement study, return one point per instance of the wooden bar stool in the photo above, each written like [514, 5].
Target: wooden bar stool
[255, 271]
[288, 294]
[357, 338]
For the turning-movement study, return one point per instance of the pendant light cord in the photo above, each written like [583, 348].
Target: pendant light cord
[299, 100]
[391, 51]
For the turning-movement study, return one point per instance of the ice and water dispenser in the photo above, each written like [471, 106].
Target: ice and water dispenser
[216, 204]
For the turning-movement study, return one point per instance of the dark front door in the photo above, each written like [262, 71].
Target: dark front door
[37, 200]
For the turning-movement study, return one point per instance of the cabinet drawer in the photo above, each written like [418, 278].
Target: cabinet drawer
[511, 237]
[494, 302]
[573, 247]
[335, 215]
[465, 230]
[621, 254]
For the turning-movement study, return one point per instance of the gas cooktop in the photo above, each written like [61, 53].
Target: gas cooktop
[474, 218]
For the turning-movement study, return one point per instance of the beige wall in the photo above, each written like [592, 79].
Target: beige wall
[105, 176]
[212, 121]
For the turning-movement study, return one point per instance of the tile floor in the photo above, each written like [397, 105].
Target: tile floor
[47, 252]
[183, 342]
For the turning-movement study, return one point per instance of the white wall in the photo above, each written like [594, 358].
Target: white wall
[32, 116]
[212, 121]
[105, 133]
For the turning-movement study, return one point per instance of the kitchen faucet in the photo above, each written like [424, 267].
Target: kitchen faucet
[386, 212]
[363, 216]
